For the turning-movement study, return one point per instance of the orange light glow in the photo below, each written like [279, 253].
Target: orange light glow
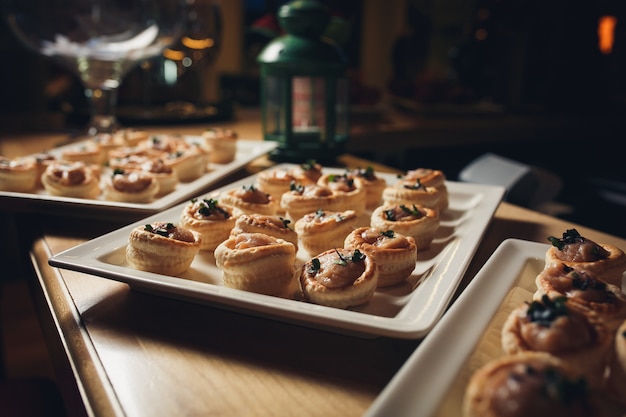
[606, 33]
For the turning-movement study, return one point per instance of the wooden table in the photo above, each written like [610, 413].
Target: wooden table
[119, 352]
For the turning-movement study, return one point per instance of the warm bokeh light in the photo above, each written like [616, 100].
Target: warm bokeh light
[173, 54]
[197, 43]
[606, 33]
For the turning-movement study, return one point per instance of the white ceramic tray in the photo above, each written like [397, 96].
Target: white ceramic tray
[432, 381]
[247, 150]
[405, 311]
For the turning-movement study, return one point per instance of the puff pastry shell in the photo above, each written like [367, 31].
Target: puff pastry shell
[19, 175]
[431, 178]
[304, 199]
[71, 179]
[395, 255]
[563, 329]
[221, 144]
[163, 248]
[516, 385]
[334, 279]
[582, 288]
[604, 261]
[133, 186]
[348, 190]
[250, 199]
[258, 263]
[325, 230]
[268, 224]
[412, 192]
[212, 220]
[419, 222]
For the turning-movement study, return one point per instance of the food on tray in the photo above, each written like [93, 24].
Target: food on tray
[42, 160]
[275, 182]
[88, 152]
[409, 220]
[339, 278]
[108, 142]
[308, 172]
[409, 192]
[372, 184]
[430, 178]
[259, 263]
[19, 175]
[189, 163]
[348, 190]
[163, 248]
[249, 199]
[302, 199]
[584, 289]
[222, 145]
[602, 260]
[71, 179]
[272, 225]
[323, 230]
[395, 255]
[528, 384]
[616, 384]
[131, 136]
[212, 220]
[130, 186]
[165, 175]
[564, 329]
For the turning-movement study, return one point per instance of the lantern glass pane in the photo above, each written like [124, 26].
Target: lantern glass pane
[274, 106]
[308, 104]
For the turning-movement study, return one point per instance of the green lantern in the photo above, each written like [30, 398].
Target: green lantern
[304, 87]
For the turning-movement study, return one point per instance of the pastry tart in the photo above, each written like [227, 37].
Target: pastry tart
[431, 178]
[108, 142]
[189, 162]
[88, 152]
[307, 173]
[165, 176]
[163, 248]
[603, 261]
[349, 191]
[323, 230]
[19, 175]
[582, 288]
[416, 221]
[212, 220]
[616, 383]
[71, 179]
[527, 384]
[339, 278]
[564, 329]
[258, 263]
[132, 137]
[275, 182]
[130, 186]
[42, 160]
[221, 144]
[268, 224]
[372, 184]
[303, 199]
[250, 199]
[409, 192]
[395, 255]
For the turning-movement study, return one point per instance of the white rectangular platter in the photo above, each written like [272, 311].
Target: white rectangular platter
[247, 151]
[432, 381]
[403, 311]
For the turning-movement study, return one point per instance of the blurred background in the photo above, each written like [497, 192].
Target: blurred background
[542, 82]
